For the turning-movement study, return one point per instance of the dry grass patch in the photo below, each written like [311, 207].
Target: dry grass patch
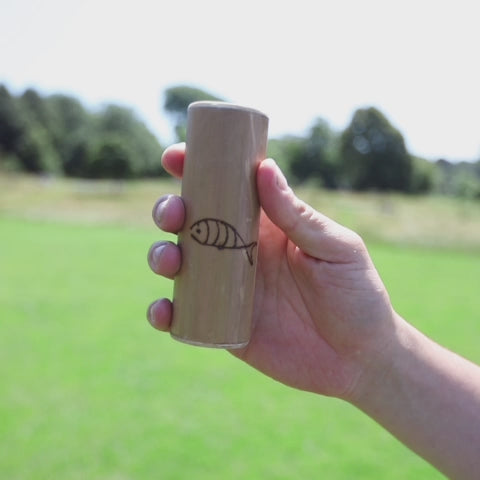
[430, 221]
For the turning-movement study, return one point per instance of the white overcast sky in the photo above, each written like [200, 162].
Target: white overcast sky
[415, 60]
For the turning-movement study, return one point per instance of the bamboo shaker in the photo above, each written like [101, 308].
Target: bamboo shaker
[214, 290]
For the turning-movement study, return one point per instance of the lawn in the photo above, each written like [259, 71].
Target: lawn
[89, 390]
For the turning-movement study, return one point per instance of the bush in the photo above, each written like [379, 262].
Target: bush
[56, 134]
[373, 154]
[110, 158]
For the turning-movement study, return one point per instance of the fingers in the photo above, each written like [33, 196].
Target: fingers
[164, 258]
[315, 234]
[173, 158]
[159, 314]
[169, 213]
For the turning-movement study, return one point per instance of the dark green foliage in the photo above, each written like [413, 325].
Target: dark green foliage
[11, 122]
[39, 110]
[286, 150]
[23, 136]
[374, 156]
[76, 153]
[57, 135]
[277, 149]
[68, 120]
[177, 100]
[36, 153]
[423, 177]
[316, 158]
[145, 152]
[111, 157]
[313, 158]
[460, 179]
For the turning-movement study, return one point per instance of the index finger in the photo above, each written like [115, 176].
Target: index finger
[173, 159]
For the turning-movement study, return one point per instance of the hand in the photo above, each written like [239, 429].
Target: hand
[323, 322]
[321, 313]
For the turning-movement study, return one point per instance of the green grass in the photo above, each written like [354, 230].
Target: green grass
[89, 390]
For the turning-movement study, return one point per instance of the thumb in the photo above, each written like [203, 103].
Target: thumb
[315, 234]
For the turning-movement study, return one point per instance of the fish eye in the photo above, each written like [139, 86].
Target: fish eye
[198, 230]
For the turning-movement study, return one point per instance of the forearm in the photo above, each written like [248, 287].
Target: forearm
[429, 398]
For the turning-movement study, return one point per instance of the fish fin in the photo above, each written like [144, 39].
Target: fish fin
[249, 251]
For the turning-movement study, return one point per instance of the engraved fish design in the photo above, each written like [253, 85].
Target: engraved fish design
[213, 232]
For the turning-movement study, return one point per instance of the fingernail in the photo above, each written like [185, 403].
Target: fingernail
[282, 183]
[157, 254]
[159, 210]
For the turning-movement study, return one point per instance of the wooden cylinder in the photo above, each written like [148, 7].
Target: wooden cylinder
[214, 290]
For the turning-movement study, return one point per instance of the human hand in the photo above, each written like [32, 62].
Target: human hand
[321, 313]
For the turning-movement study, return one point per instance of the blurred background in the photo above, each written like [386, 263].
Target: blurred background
[373, 112]
[342, 83]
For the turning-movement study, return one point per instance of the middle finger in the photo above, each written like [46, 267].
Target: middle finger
[169, 213]
[165, 259]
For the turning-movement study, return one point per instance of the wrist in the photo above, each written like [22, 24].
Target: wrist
[384, 366]
[428, 398]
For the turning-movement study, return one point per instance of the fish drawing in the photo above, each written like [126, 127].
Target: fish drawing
[213, 232]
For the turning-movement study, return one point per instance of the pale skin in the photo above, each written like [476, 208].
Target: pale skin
[323, 322]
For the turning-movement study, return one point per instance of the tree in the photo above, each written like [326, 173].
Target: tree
[56, 134]
[282, 150]
[314, 157]
[177, 100]
[38, 153]
[37, 109]
[460, 179]
[35, 152]
[69, 119]
[289, 151]
[145, 149]
[64, 123]
[111, 158]
[22, 137]
[77, 149]
[11, 122]
[319, 157]
[373, 154]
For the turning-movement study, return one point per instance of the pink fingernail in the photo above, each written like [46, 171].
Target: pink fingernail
[282, 183]
[160, 209]
[157, 254]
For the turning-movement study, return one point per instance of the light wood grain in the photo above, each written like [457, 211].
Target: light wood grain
[213, 292]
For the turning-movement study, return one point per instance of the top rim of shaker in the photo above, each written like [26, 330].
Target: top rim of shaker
[226, 105]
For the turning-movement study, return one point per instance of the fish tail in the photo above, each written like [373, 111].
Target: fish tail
[249, 251]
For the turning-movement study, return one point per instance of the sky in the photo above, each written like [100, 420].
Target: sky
[416, 60]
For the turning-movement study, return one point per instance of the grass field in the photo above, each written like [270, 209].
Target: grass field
[89, 390]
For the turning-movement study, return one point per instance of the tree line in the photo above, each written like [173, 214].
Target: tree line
[369, 154]
[56, 134]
